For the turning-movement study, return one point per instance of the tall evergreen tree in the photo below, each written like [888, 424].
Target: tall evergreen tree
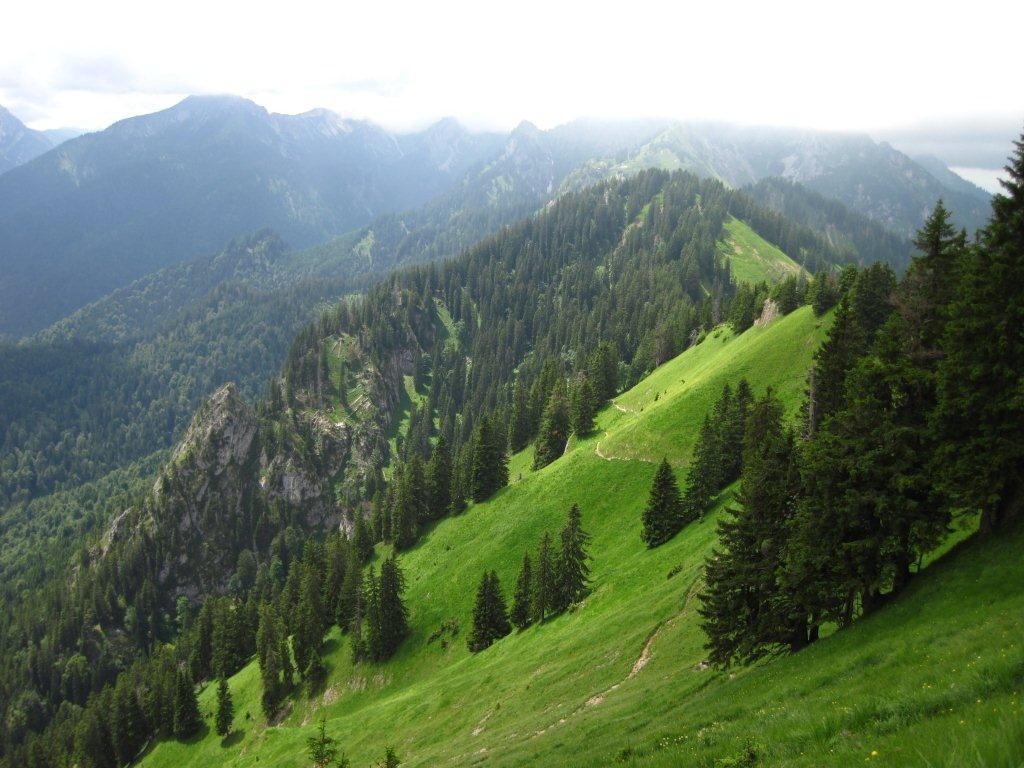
[746, 611]
[187, 720]
[663, 515]
[519, 428]
[489, 461]
[323, 750]
[490, 616]
[545, 587]
[362, 540]
[225, 707]
[439, 480]
[554, 429]
[268, 654]
[127, 722]
[391, 616]
[603, 372]
[582, 405]
[573, 573]
[980, 411]
[521, 614]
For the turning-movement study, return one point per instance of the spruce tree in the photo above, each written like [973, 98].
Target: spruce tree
[545, 587]
[187, 720]
[362, 541]
[603, 372]
[268, 654]
[573, 573]
[980, 412]
[490, 616]
[521, 614]
[225, 707]
[519, 431]
[663, 515]
[392, 621]
[390, 759]
[747, 612]
[581, 407]
[702, 482]
[350, 595]
[128, 727]
[439, 480]
[323, 751]
[489, 459]
[554, 429]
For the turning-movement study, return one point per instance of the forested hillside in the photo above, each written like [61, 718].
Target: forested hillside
[482, 384]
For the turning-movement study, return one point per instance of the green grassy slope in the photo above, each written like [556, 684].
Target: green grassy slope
[753, 258]
[619, 679]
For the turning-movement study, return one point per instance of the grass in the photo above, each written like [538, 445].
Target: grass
[752, 258]
[933, 679]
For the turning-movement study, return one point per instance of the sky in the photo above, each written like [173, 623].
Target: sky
[882, 67]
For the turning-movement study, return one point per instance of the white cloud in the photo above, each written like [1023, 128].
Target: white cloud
[854, 66]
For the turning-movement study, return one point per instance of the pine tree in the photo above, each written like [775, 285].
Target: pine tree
[603, 373]
[391, 620]
[703, 476]
[554, 429]
[519, 431]
[747, 612]
[268, 654]
[573, 573]
[350, 595]
[187, 720]
[439, 480]
[390, 759]
[835, 357]
[521, 614]
[490, 616]
[323, 750]
[362, 541]
[489, 461]
[225, 707]
[128, 727]
[663, 515]
[545, 588]
[980, 412]
[582, 407]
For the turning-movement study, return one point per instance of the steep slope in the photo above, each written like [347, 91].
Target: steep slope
[841, 226]
[621, 678]
[19, 143]
[752, 258]
[105, 208]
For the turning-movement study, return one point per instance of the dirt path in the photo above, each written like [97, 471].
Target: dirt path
[638, 665]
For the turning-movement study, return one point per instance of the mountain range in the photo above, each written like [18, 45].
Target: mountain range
[106, 208]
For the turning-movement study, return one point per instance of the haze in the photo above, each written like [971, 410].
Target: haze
[906, 69]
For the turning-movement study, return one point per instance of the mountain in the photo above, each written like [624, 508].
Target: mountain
[18, 143]
[869, 178]
[108, 207]
[841, 226]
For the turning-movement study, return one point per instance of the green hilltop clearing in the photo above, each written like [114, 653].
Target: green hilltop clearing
[933, 679]
[752, 258]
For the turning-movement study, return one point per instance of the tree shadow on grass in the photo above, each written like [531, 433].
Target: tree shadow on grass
[232, 738]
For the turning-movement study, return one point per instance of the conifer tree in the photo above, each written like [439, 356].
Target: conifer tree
[439, 480]
[128, 727]
[603, 373]
[362, 541]
[308, 637]
[370, 636]
[581, 407]
[747, 612]
[702, 476]
[268, 654]
[663, 515]
[393, 624]
[519, 431]
[489, 460]
[390, 759]
[980, 423]
[573, 573]
[490, 616]
[225, 707]
[350, 595]
[521, 614]
[545, 588]
[323, 750]
[554, 429]
[187, 720]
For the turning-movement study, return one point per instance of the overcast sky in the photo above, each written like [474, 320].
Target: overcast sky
[868, 65]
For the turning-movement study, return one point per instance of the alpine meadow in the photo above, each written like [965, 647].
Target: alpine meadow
[682, 427]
